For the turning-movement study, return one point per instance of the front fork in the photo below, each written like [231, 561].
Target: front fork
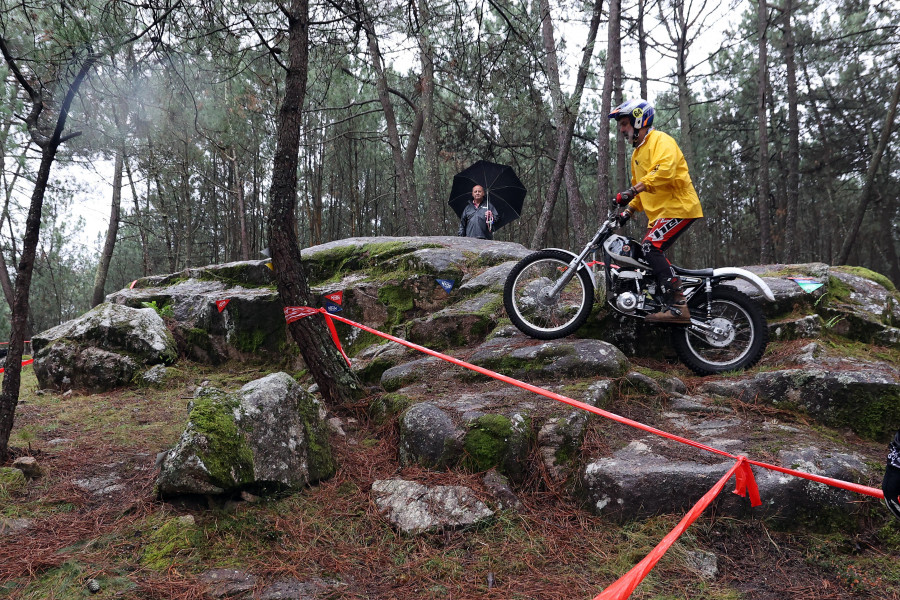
[570, 271]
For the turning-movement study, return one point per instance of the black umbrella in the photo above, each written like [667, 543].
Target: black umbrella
[502, 188]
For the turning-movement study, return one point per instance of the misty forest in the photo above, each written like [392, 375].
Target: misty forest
[165, 113]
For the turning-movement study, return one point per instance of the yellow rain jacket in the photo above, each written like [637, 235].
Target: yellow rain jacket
[659, 163]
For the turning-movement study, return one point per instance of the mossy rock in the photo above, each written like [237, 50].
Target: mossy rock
[371, 373]
[332, 263]
[386, 406]
[226, 455]
[866, 401]
[878, 278]
[499, 441]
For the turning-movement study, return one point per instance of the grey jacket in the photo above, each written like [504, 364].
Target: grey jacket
[474, 221]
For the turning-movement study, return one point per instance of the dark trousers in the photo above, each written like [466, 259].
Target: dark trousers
[658, 239]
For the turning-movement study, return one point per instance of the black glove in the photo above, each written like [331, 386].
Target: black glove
[623, 217]
[626, 196]
[891, 484]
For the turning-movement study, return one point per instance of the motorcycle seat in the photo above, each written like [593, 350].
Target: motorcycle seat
[693, 272]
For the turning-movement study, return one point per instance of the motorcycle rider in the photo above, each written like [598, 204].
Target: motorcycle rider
[662, 188]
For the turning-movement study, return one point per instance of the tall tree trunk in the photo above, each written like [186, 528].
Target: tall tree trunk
[765, 226]
[678, 27]
[568, 114]
[112, 231]
[866, 193]
[5, 280]
[888, 244]
[237, 191]
[186, 209]
[406, 192]
[12, 378]
[642, 48]
[684, 101]
[139, 221]
[793, 158]
[433, 200]
[613, 65]
[336, 381]
[577, 207]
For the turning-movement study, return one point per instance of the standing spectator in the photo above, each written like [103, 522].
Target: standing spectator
[477, 218]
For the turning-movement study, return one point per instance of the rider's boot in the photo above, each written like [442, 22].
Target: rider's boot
[676, 313]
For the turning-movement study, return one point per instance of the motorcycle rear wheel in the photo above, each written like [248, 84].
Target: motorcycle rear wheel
[532, 310]
[744, 339]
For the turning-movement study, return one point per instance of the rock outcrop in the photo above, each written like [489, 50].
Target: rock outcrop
[103, 349]
[445, 293]
[249, 325]
[269, 435]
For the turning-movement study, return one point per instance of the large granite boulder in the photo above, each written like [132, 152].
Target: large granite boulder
[511, 353]
[268, 436]
[103, 349]
[250, 324]
[637, 482]
[862, 396]
[790, 296]
[429, 437]
[863, 306]
[397, 285]
[462, 324]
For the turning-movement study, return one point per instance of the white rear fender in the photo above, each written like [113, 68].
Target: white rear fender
[583, 264]
[748, 277]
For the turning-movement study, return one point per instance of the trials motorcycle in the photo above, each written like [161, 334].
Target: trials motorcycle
[549, 294]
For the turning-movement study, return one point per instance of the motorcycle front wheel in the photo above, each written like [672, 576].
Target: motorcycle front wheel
[742, 336]
[533, 309]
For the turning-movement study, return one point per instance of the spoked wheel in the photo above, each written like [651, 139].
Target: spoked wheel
[531, 305]
[739, 337]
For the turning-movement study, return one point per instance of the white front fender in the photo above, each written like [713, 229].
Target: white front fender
[746, 276]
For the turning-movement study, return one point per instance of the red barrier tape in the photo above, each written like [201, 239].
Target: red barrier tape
[853, 487]
[623, 586]
[745, 483]
[24, 362]
[334, 334]
[293, 313]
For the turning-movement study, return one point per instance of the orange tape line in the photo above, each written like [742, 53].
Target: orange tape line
[24, 362]
[622, 587]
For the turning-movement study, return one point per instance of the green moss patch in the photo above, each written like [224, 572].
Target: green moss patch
[386, 406]
[227, 456]
[397, 298]
[170, 544]
[320, 460]
[838, 291]
[486, 443]
[330, 265]
[11, 480]
[878, 278]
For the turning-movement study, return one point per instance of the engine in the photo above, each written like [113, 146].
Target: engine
[627, 302]
[626, 288]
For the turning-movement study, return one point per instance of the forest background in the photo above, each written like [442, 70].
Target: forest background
[785, 116]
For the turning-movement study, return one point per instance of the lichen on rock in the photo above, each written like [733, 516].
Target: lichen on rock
[269, 435]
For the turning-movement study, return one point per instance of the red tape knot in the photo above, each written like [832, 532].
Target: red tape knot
[745, 483]
[293, 313]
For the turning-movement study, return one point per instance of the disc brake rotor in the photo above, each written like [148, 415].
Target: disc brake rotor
[723, 339]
